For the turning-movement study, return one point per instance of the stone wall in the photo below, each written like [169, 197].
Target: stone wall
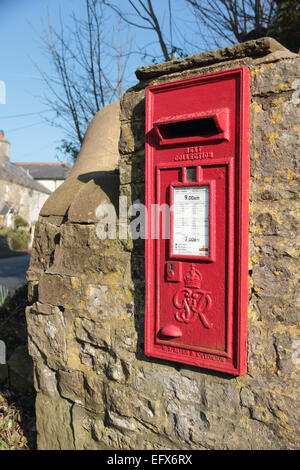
[95, 387]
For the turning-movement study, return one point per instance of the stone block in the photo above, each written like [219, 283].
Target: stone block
[102, 188]
[133, 104]
[55, 430]
[45, 380]
[59, 290]
[59, 202]
[132, 168]
[132, 138]
[47, 338]
[86, 432]
[71, 386]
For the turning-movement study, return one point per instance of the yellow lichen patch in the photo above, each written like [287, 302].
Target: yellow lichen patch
[258, 291]
[256, 155]
[272, 137]
[74, 283]
[127, 136]
[267, 179]
[292, 251]
[280, 86]
[278, 102]
[291, 175]
[257, 229]
[276, 117]
[64, 296]
[256, 107]
[282, 417]
[297, 128]
[251, 208]
[283, 86]
[113, 279]
[285, 296]
[68, 307]
[252, 315]
[88, 292]
[275, 215]
[74, 363]
[73, 360]
[253, 259]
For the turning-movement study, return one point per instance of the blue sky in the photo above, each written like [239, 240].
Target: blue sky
[31, 139]
[21, 116]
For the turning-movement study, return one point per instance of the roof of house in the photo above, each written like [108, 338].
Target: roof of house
[18, 175]
[47, 171]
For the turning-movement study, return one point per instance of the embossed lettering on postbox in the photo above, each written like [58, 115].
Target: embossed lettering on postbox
[197, 138]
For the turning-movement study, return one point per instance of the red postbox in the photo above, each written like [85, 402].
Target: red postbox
[197, 176]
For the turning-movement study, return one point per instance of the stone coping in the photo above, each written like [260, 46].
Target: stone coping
[254, 49]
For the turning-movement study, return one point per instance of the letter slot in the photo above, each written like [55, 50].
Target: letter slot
[196, 127]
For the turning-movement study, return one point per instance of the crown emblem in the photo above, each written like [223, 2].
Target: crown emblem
[193, 278]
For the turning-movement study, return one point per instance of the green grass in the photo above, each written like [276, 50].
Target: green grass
[11, 433]
[20, 222]
[17, 239]
[3, 294]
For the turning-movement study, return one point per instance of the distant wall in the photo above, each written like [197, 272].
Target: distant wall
[95, 387]
[52, 185]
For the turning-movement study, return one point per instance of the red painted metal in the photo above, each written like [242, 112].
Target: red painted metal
[197, 138]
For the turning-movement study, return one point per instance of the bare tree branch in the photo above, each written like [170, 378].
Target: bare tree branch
[88, 69]
[235, 20]
[145, 12]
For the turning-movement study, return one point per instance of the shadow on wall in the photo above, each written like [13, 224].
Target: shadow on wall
[107, 181]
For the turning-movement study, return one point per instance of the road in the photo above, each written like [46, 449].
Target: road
[13, 271]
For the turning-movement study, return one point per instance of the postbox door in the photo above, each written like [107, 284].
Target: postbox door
[196, 246]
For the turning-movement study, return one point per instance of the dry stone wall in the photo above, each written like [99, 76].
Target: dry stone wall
[95, 387]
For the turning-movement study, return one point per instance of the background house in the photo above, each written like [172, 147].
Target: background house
[20, 193]
[50, 175]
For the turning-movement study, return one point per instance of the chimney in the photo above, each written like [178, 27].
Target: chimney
[4, 148]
